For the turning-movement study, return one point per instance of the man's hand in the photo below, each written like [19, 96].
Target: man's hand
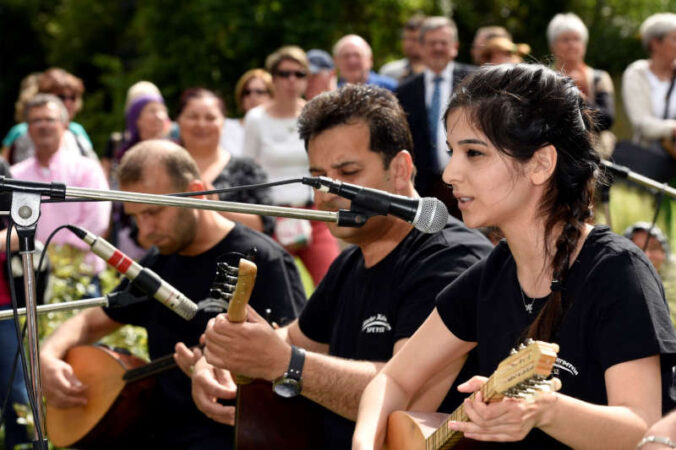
[250, 348]
[209, 384]
[186, 358]
[61, 387]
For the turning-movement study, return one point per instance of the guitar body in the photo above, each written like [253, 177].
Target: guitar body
[114, 407]
[266, 420]
[408, 430]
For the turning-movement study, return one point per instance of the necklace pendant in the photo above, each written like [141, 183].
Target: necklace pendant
[529, 308]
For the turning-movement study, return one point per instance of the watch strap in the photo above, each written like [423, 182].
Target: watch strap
[296, 363]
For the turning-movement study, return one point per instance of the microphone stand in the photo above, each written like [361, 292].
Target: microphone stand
[649, 183]
[25, 212]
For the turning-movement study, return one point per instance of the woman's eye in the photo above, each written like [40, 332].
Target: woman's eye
[473, 153]
[449, 151]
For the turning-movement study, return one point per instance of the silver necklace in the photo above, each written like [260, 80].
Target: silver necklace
[527, 306]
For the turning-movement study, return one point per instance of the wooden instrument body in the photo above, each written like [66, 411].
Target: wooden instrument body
[266, 420]
[522, 374]
[114, 407]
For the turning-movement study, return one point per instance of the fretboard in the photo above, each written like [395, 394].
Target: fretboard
[152, 368]
[444, 438]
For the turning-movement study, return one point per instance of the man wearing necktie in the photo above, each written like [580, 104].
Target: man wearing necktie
[424, 98]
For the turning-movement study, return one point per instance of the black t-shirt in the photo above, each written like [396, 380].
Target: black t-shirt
[277, 288]
[362, 312]
[616, 312]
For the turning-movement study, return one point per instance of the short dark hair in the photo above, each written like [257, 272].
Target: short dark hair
[194, 93]
[378, 108]
[179, 165]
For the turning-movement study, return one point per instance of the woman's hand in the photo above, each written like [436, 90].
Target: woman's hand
[510, 419]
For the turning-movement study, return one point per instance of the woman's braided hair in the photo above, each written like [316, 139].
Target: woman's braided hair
[522, 108]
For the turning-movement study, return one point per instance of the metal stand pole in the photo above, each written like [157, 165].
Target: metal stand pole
[25, 213]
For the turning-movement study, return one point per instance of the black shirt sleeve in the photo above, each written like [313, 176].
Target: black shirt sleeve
[630, 312]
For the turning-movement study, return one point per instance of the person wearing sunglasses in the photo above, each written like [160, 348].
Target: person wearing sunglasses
[271, 138]
[17, 145]
[253, 88]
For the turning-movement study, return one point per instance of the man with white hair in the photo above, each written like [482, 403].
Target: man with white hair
[47, 119]
[354, 61]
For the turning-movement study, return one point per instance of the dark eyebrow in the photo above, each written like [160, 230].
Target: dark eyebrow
[472, 141]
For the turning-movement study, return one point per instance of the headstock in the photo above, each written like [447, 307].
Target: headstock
[234, 284]
[526, 370]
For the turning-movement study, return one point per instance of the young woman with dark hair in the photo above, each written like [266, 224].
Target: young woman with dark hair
[522, 160]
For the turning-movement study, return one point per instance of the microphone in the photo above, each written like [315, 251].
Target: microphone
[428, 214]
[146, 280]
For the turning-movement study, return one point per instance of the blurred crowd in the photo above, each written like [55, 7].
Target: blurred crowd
[259, 142]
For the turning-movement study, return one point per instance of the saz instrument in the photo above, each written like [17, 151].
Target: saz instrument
[119, 385]
[523, 374]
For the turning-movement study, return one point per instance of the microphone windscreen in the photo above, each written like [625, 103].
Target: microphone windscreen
[432, 215]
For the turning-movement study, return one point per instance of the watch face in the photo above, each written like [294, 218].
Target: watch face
[286, 387]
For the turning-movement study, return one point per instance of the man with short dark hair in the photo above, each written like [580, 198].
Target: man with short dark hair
[411, 64]
[47, 119]
[189, 243]
[424, 98]
[376, 293]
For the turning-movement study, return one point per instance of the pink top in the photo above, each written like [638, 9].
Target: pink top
[74, 171]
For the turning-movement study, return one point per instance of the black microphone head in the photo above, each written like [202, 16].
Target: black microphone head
[431, 216]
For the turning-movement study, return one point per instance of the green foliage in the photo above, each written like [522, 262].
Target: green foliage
[210, 43]
[70, 280]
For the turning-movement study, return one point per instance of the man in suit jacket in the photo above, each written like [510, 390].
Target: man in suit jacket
[424, 98]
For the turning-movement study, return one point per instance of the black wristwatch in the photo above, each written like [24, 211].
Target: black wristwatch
[289, 385]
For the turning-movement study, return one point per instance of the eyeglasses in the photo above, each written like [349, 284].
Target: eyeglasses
[37, 120]
[287, 73]
[247, 92]
[71, 97]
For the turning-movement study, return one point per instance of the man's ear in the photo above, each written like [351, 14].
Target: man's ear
[542, 165]
[401, 170]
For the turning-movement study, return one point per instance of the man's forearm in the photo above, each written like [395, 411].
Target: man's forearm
[84, 328]
[337, 383]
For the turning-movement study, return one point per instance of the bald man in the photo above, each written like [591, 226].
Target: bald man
[354, 60]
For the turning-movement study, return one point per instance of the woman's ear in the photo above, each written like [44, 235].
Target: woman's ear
[401, 169]
[542, 165]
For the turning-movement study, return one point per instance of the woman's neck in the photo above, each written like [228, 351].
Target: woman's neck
[281, 107]
[210, 164]
[663, 69]
[533, 256]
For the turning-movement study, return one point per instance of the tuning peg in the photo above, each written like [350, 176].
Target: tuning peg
[227, 268]
[530, 341]
[521, 346]
[513, 351]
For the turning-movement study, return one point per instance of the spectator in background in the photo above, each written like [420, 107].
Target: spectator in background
[651, 240]
[646, 83]
[567, 37]
[146, 117]
[501, 50]
[252, 89]
[271, 138]
[424, 97]
[47, 120]
[322, 76]
[354, 60]
[411, 64]
[200, 119]
[482, 35]
[17, 145]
